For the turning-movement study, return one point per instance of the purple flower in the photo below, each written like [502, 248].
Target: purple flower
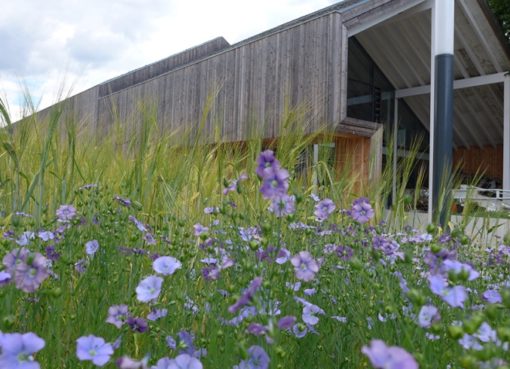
[437, 284]
[91, 247]
[232, 187]
[16, 350]
[5, 278]
[283, 256]
[246, 296]
[256, 329]
[266, 163]
[344, 252]
[183, 361]
[141, 227]
[123, 201]
[65, 213]
[492, 297]
[94, 349]
[80, 266]
[149, 288]
[46, 236]
[166, 265]
[361, 210]
[309, 312]
[286, 322]
[305, 266]
[211, 273]
[15, 257]
[455, 296]
[428, 315]
[199, 229]
[29, 275]
[384, 357]
[275, 183]
[117, 315]
[258, 359]
[156, 314]
[51, 253]
[457, 267]
[25, 238]
[138, 325]
[323, 209]
[283, 205]
[170, 342]
[128, 363]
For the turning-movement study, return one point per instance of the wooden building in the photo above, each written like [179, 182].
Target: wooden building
[359, 67]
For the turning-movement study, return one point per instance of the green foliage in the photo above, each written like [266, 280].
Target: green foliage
[502, 10]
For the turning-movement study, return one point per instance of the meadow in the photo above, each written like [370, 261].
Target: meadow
[125, 250]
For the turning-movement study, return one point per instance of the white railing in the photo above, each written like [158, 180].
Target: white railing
[489, 198]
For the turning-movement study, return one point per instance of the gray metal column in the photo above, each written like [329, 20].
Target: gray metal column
[441, 146]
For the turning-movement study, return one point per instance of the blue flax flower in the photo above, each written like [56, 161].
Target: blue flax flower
[385, 357]
[17, 350]
[258, 359]
[95, 349]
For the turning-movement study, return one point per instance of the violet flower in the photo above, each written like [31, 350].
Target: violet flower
[323, 209]
[246, 296]
[149, 288]
[361, 210]
[257, 359]
[66, 213]
[95, 349]
[305, 266]
[117, 315]
[17, 350]
[283, 205]
[385, 357]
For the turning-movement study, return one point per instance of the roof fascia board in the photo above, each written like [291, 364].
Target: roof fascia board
[376, 16]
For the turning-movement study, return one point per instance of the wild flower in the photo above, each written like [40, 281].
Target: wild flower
[17, 350]
[199, 230]
[138, 325]
[283, 256]
[456, 267]
[156, 314]
[5, 278]
[492, 297]
[385, 357]
[361, 210]
[246, 296]
[25, 238]
[91, 247]
[46, 235]
[266, 162]
[166, 265]
[95, 349]
[122, 200]
[232, 187]
[117, 315]
[30, 274]
[141, 227]
[66, 213]
[310, 311]
[344, 252]
[283, 205]
[274, 183]
[149, 288]
[286, 322]
[256, 329]
[126, 362]
[183, 361]
[305, 266]
[428, 315]
[323, 209]
[257, 359]
[51, 253]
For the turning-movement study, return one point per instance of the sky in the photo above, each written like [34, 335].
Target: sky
[57, 48]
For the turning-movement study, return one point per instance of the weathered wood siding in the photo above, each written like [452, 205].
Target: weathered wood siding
[250, 85]
[163, 66]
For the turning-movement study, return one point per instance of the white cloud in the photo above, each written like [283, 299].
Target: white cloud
[86, 42]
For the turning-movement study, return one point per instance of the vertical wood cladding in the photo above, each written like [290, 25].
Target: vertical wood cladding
[247, 88]
[487, 159]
